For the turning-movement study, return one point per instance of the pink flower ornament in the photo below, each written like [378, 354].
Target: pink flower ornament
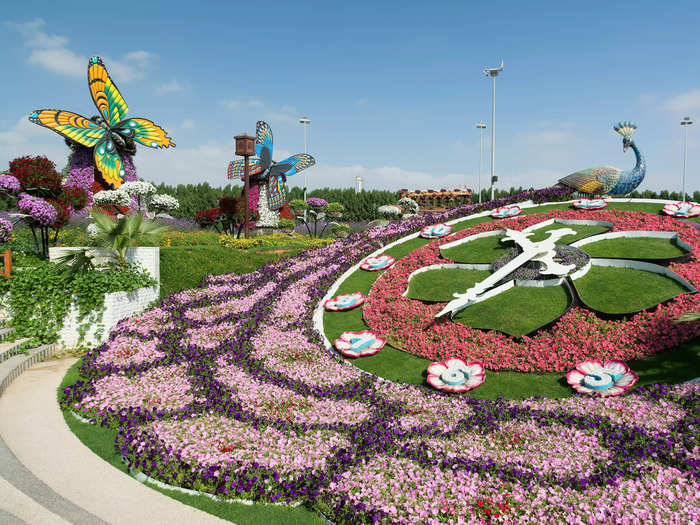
[435, 231]
[505, 212]
[682, 209]
[595, 378]
[590, 204]
[380, 262]
[359, 344]
[346, 301]
[455, 375]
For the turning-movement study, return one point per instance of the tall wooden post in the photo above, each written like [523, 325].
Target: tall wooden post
[245, 147]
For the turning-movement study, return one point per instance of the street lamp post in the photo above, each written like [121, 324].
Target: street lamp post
[685, 123]
[245, 147]
[493, 73]
[304, 121]
[481, 127]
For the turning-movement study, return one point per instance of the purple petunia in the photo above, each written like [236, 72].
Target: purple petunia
[41, 211]
[9, 183]
[315, 201]
[5, 230]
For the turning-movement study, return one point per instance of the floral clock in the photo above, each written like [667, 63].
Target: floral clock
[359, 344]
[346, 301]
[435, 231]
[682, 209]
[380, 262]
[550, 260]
[455, 375]
[595, 378]
[505, 212]
[590, 204]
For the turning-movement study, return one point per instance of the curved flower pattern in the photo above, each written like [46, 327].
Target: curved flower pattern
[380, 262]
[435, 231]
[593, 377]
[359, 344]
[505, 212]
[590, 204]
[455, 375]
[682, 209]
[346, 301]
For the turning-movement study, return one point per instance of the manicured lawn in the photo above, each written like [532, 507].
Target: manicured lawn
[623, 290]
[182, 267]
[634, 248]
[517, 311]
[540, 234]
[483, 250]
[439, 285]
[100, 440]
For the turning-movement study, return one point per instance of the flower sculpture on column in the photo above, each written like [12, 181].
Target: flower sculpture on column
[455, 375]
[595, 378]
[268, 177]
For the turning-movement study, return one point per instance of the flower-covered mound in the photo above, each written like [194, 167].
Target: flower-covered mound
[359, 344]
[682, 209]
[590, 204]
[579, 335]
[610, 379]
[269, 415]
[435, 231]
[506, 212]
[378, 262]
[346, 301]
[455, 375]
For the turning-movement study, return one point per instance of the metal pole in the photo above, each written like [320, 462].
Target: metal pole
[245, 191]
[481, 157]
[685, 153]
[493, 133]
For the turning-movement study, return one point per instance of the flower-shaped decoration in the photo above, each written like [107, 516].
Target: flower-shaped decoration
[346, 301]
[359, 344]
[505, 212]
[455, 375]
[595, 378]
[682, 209]
[435, 231]
[380, 262]
[590, 204]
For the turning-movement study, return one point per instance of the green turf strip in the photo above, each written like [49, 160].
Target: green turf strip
[624, 290]
[634, 248]
[582, 231]
[439, 285]
[101, 440]
[517, 311]
[483, 250]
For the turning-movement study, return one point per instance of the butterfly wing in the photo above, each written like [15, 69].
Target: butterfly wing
[263, 143]
[109, 163]
[236, 169]
[292, 165]
[105, 95]
[146, 132]
[69, 125]
[276, 193]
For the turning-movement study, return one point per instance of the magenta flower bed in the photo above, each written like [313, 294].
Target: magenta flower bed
[578, 336]
[265, 413]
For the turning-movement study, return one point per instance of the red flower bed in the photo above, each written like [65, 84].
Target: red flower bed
[579, 335]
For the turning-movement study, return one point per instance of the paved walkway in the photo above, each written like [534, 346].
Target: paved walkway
[47, 476]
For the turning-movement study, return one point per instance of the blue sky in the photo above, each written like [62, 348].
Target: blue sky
[393, 89]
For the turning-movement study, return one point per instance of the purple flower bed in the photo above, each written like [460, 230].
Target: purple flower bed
[266, 413]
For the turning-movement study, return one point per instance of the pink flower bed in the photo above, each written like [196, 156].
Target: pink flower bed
[161, 388]
[274, 402]
[578, 336]
[214, 311]
[149, 322]
[126, 351]
[212, 439]
[211, 336]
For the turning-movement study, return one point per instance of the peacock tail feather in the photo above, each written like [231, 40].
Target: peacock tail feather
[625, 128]
[594, 181]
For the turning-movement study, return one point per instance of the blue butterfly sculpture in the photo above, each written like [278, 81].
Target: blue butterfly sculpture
[262, 166]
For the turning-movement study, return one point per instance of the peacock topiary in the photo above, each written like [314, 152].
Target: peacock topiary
[607, 180]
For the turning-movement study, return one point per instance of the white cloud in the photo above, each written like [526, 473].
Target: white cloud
[51, 52]
[255, 103]
[170, 87]
[188, 123]
[25, 138]
[683, 102]
[264, 111]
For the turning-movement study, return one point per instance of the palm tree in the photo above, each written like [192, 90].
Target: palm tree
[116, 235]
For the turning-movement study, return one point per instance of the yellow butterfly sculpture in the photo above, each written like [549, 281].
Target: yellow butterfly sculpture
[110, 103]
